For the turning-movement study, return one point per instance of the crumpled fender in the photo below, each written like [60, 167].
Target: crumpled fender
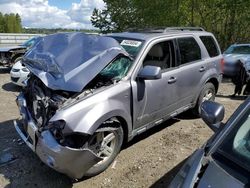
[87, 115]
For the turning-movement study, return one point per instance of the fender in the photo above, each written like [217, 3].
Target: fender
[100, 113]
[87, 115]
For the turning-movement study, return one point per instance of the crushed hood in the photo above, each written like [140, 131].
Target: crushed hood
[69, 61]
[232, 58]
[246, 63]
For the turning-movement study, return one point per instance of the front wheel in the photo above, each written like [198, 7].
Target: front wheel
[106, 143]
[207, 93]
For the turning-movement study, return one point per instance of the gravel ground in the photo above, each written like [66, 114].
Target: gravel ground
[150, 160]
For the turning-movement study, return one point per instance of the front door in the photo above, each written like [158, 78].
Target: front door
[153, 99]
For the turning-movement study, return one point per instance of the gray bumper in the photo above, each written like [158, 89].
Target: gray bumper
[70, 161]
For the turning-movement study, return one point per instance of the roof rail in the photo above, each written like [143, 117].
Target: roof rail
[164, 29]
[147, 30]
[183, 29]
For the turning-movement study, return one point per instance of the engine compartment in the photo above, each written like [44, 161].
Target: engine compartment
[5, 58]
[43, 102]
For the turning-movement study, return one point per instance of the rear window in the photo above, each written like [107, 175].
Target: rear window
[210, 45]
[189, 50]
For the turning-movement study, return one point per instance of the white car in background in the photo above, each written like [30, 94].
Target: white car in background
[19, 74]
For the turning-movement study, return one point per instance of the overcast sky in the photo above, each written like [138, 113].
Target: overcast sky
[53, 13]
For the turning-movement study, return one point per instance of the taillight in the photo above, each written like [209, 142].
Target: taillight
[222, 62]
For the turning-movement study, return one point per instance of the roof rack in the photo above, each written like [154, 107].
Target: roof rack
[147, 30]
[183, 29]
[165, 29]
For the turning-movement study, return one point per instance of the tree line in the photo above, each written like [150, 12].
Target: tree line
[228, 20]
[10, 23]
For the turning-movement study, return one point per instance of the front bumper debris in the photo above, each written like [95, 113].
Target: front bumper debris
[70, 161]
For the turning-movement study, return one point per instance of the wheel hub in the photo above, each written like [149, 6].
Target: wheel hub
[103, 144]
[207, 96]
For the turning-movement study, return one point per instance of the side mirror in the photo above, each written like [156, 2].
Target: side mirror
[150, 73]
[212, 114]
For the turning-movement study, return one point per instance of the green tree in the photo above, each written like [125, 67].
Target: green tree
[101, 20]
[2, 28]
[10, 23]
[18, 25]
[227, 19]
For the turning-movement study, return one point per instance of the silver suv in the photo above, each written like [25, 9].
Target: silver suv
[89, 94]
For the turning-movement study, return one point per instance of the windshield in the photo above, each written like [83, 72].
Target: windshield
[238, 50]
[132, 46]
[117, 69]
[236, 146]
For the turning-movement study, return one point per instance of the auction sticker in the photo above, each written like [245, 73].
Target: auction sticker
[131, 43]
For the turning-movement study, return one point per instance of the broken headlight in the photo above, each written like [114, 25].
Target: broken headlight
[55, 128]
[73, 140]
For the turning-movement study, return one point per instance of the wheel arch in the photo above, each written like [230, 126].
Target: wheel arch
[215, 82]
[211, 80]
[123, 124]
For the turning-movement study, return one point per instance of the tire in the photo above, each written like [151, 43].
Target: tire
[207, 93]
[106, 130]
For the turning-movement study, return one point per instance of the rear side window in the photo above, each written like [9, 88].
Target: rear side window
[189, 50]
[210, 45]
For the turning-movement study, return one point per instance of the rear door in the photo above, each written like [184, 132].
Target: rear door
[192, 67]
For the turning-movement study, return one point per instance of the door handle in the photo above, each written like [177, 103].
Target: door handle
[172, 80]
[202, 69]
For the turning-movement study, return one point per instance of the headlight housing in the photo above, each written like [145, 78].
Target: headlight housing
[15, 70]
[72, 140]
[25, 69]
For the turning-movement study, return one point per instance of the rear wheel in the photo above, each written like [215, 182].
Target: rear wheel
[106, 143]
[207, 93]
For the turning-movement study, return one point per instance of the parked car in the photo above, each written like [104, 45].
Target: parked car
[224, 161]
[88, 94]
[12, 54]
[19, 74]
[234, 53]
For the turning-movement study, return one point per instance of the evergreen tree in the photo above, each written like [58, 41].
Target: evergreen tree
[10, 23]
[2, 29]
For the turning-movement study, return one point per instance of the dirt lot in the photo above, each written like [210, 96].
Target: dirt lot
[150, 160]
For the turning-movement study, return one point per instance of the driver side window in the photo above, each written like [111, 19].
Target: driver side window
[161, 55]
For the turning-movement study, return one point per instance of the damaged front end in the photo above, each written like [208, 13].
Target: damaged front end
[8, 55]
[65, 154]
[50, 93]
